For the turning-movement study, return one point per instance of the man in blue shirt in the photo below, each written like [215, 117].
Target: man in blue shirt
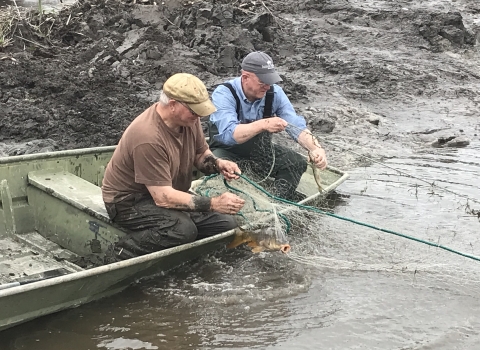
[241, 127]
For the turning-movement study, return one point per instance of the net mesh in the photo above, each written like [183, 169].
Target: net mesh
[418, 195]
[261, 210]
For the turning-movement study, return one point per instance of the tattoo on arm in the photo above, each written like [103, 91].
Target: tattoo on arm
[201, 203]
[183, 207]
[209, 165]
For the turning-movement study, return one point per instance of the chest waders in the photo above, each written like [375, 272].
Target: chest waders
[282, 163]
[256, 143]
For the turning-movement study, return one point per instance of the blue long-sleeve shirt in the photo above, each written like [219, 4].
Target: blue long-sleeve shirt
[226, 119]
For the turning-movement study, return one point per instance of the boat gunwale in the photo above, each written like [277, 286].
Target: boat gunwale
[113, 266]
[137, 260]
[56, 154]
[85, 151]
[132, 261]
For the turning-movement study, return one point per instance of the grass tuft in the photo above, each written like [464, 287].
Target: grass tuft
[7, 18]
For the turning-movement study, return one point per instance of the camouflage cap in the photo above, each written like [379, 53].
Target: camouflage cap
[187, 88]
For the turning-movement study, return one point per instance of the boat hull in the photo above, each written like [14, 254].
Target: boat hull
[26, 302]
[32, 243]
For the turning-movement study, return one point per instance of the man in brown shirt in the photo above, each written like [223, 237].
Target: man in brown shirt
[146, 183]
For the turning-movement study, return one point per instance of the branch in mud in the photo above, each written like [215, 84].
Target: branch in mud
[29, 26]
[275, 18]
[471, 211]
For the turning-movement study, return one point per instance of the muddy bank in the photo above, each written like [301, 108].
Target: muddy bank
[78, 78]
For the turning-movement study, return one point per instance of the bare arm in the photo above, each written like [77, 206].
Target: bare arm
[208, 164]
[315, 151]
[170, 198]
[244, 132]
[308, 141]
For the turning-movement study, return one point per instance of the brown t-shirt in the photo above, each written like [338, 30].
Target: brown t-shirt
[150, 153]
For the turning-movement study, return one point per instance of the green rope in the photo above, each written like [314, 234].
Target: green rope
[287, 222]
[473, 257]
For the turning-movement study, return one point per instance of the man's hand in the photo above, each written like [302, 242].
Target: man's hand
[228, 169]
[318, 157]
[274, 124]
[227, 203]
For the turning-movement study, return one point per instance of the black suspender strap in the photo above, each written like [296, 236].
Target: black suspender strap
[267, 110]
[232, 90]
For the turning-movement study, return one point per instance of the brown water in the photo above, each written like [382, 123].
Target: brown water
[375, 290]
[356, 288]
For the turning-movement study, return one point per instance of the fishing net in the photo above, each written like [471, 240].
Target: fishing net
[414, 215]
[261, 209]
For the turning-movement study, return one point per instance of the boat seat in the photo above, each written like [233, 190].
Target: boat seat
[71, 189]
[69, 211]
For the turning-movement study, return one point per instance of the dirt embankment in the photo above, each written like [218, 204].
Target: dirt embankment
[78, 78]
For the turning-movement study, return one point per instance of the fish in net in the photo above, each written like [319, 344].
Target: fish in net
[265, 220]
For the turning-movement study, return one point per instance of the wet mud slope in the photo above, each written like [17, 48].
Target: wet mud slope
[354, 69]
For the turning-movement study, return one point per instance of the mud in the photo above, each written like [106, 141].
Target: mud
[77, 79]
[391, 79]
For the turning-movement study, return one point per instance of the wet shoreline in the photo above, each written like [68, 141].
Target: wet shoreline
[385, 80]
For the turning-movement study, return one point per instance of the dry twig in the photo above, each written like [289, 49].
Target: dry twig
[18, 11]
[274, 17]
[32, 42]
